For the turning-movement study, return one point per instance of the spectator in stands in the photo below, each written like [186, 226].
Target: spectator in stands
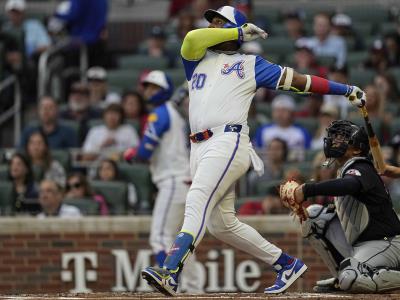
[25, 190]
[377, 59]
[294, 25]
[79, 109]
[177, 6]
[36, 39]
[186, 23]
[108, 171]
[58, 135]
[305, 60]
[12, 57]
[324, 43]
[274, 159]
[86, 21]
[99, 95]
[134, 108]
[156, 46]
[327, 115]
[341, 102]
[39, 155]
[387, 87]
[311, 108]
[297, 138]
[392, 45]
[51, 196]
[78, 187]
[112, 138]
[342, 25]
[271, 204]
[375, 105]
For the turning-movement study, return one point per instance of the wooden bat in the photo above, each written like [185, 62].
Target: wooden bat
[373, 143]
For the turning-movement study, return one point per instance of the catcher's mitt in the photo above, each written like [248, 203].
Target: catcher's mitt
[287, 194]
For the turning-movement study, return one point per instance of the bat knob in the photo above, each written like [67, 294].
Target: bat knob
[359, 94]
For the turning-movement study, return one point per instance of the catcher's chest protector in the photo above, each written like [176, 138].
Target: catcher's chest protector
[353, 214]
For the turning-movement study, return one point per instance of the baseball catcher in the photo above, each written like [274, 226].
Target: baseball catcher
[358, 237]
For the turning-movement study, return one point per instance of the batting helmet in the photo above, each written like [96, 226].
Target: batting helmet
[234, 17]
[162, 80]
[343, 133]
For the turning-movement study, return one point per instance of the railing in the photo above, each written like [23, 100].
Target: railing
[44, 68]
[15, 110]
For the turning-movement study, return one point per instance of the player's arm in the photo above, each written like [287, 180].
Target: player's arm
[157, 124]
[391, 171]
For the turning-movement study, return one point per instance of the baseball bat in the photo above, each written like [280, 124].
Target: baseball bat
[373, 142]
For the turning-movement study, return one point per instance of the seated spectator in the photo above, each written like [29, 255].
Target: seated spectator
[108, 171]
[377, 59]
[324, 43]
[274, 159]
[327, 115]
[58, 135]
[297, 138]
[342, 25]
[134, 108]
[387, 87]
[311, 108]
[294, 25]
[12, 57]
[78, 187]
[341, 102]
[39, 155]
[375, 104]
[51, 196]
[185, 23]
[25, 190]
[79, 109]
[36, 39]
[112, 138]
[392, 45]
[305, 60]
[271, 204]
[322, 172]
[99, 95]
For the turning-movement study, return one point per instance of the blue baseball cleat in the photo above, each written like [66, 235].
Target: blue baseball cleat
[162, 280]
[287, 274]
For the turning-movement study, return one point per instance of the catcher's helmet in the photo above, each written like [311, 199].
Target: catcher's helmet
[164, 82]
[341, 134]
[234, 17]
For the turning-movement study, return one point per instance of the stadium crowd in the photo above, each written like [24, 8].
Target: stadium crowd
[68, 161]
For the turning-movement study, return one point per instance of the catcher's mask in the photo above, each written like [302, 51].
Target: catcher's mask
[341, 134]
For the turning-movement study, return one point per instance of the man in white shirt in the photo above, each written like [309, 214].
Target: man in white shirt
[50, 198]
[111, 138]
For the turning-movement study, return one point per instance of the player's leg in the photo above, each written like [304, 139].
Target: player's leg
[224, 225]
[220, 163]
[374, 267]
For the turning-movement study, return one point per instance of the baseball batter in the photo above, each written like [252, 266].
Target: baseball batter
[222, 84]
[358, 237]
[164, 145]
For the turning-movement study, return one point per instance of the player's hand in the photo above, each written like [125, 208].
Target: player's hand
[129, 154]
[252, 32]
[391, 171]
[357, 97]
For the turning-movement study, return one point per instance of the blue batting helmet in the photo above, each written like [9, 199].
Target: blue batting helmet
[162, 80]
[234, 17]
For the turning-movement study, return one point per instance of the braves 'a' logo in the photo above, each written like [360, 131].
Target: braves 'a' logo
[237, 67]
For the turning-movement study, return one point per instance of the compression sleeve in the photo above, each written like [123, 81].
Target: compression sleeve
[348, 185]
[197, 41]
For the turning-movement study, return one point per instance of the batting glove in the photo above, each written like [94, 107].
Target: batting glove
[249, 32]
[357, 96]
[130, 154]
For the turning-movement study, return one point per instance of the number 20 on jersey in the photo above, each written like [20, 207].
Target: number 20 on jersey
[198, 81]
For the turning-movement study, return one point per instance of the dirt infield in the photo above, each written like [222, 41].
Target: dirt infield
[156, 296]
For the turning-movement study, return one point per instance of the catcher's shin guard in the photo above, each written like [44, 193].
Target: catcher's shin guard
[314, 229]
[356, 277]
[387, 279]
[179, 252]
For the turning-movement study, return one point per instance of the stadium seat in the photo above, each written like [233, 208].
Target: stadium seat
[326, 61]
[270, 15]
[63, 157]
[355, 59]
[142, 62]
[139, 175]
[388, 27]
[396, 73]
[277, 45]
[264, 109]
[310, 124]
[372, 14]
[311, 154]
[394, 127]
[264, 187]
[6, 198]
[242, 200]
[361, 77]
[177, 76]
[123, 79]
[87, 206]
[115, 193]
[3, 172]
[363, 28]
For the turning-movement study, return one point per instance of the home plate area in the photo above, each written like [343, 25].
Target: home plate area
[156, 296]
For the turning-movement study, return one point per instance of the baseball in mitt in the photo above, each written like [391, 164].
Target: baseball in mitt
[288, 198]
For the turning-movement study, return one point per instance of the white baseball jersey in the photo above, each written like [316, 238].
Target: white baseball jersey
[222, 86]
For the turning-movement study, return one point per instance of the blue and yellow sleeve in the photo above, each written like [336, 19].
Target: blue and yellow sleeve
[157, 124]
